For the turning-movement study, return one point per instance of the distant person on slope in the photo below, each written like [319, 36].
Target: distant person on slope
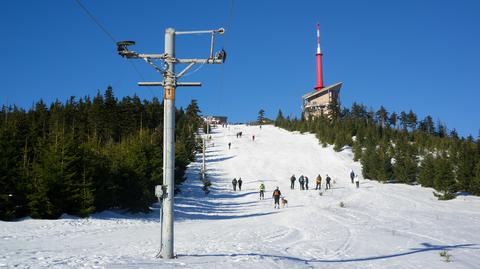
[306, 183]
[239, 183]
[229, 145]
[262, 191]
[327, 186]
[301, 180]
[319, 182]
[357, 181]
[234, 183]
[352, 175]
[292, 182]
[253, 137]
[276, 197]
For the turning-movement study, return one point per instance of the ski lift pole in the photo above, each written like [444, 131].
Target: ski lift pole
[169, 84]
[168, 144]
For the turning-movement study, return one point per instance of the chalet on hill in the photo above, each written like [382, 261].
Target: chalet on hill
[215, 119]
[316, 103]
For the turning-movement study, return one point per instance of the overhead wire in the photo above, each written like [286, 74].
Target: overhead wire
[225, 45]
[111, 37]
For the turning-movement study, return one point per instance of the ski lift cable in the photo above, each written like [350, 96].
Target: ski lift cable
[194, 71]
[112, 38]
[222, 70]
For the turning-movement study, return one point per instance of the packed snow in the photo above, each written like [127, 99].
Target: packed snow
[377, 226]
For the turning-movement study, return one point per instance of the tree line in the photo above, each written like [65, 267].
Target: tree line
[398, 147]
[88, 154]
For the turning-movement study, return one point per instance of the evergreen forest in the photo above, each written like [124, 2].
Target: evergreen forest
[398, 148]
[88, 155]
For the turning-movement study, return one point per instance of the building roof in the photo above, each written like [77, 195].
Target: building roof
[334, 87]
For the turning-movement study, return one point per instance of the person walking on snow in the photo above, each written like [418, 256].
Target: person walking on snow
[352, 175]
[229, 145]
[239, 183]
[292, 182]
[319, 182]
[253, 137]
[262, 191]
[276, 197]
[306, 183]
[327, 186]
[234, 183]
[357, 181]
[301, 180]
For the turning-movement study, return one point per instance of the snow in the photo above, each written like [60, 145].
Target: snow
[380, 225]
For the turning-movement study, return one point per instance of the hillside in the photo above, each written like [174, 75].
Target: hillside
[380, 225]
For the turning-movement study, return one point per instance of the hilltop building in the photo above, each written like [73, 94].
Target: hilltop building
[317, 102]
[214, 120]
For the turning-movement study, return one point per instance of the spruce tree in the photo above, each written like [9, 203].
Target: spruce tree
[261, 116]
[427, 171]
[444, 180]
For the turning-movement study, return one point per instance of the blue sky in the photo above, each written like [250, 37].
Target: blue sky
[419, 55]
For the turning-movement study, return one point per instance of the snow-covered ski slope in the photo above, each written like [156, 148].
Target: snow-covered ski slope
[379, 226]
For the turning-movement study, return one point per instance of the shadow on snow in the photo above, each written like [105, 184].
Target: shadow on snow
[424, 248]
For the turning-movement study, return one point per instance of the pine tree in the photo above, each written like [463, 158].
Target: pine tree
[384, 170]
[280, 119]
[261, 116]
[476, 181]
[427, 171]
[405, 167]
[465, 165]
[444, 180]
[382, 115]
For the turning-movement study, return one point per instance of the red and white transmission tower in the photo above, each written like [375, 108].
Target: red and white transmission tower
[319, 62]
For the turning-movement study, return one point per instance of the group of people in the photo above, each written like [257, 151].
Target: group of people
[275, 195]
[303, 181]
[355, 178]
[236, 182]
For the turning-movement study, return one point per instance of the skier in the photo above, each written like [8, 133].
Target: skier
[357, 181]
[352, 175]
[327, 186]
[239, 183]
[262, 191]
[319, 182]
[234, 183]
[253, 137]
[292, 182]
[306, 183]
[301, 180]
[276, 196]
[229, 145]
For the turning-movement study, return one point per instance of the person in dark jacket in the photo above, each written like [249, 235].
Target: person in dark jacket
[234, 183]
[306, 183]
[327, 186]
[301, 180]
[276, 197]
[292, 182]
[239, 183]
[352, 175]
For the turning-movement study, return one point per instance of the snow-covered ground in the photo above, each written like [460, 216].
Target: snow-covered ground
[379, 226]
